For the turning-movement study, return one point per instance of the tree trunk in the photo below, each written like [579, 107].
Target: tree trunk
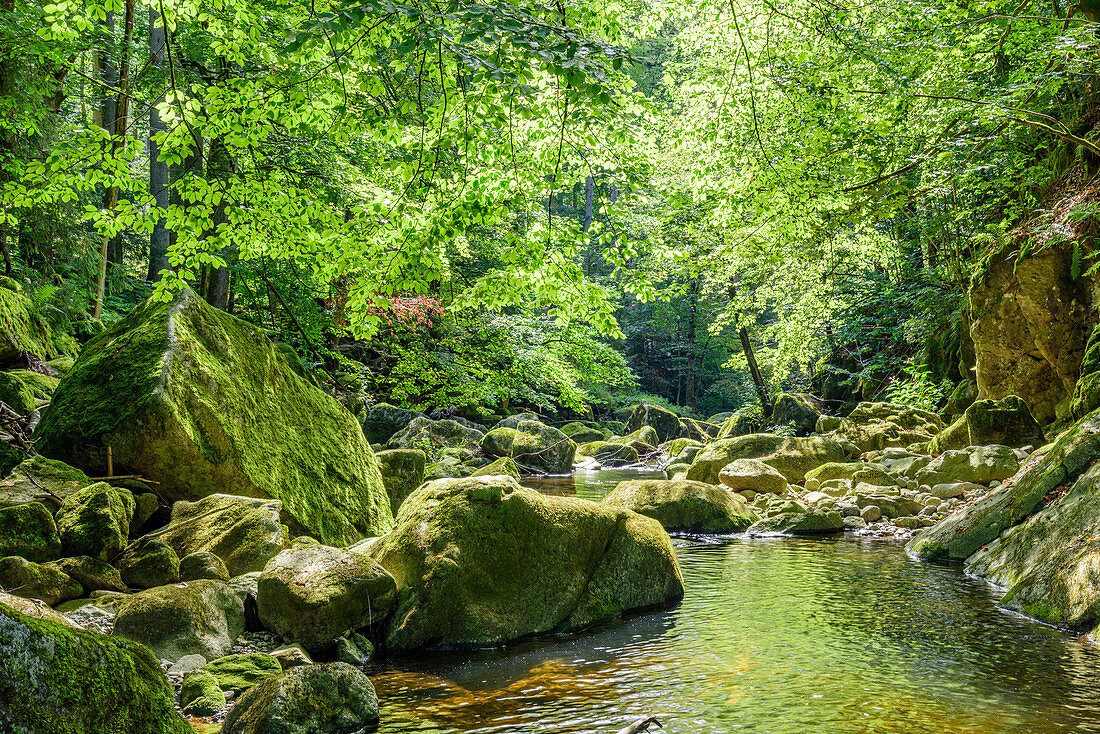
[7, 137]
[221, 168]
[761, 388]
[110, 119]
[693, 315]
[589, 190]
[158, 170]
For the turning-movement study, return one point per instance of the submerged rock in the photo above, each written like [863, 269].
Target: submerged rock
[193, 618]
[330, 698]
[482, 561]
[202, 402]
[59, 680]
[315, 594]
[682, 506]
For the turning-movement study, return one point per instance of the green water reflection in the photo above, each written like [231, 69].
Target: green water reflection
[784, 636]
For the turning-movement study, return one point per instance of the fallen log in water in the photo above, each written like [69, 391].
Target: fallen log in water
[641, 725]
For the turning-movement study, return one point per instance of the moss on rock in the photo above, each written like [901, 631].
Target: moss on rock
[792, 457]
[482, 561]
[683, 506]
[203, 565]
[200, 694]
[245, 533]
[38, 476]
[16, 394]
[58, 680]
[149, 564]
[200, 401]
[195, 618]
[503, 466]
[37, 581]
[93, 574]
[95, 521]
[28, 530]
[663, 421]
[402, 472]
[238, 673]
[22, 329]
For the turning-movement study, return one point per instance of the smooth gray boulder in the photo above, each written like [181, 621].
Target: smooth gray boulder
[194, 618]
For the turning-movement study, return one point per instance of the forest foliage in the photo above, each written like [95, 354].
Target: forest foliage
[542, 204]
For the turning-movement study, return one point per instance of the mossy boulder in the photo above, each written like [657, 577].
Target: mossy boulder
[148, 564]
[315, 594]
[200, 694]
[698, 430]
[533, 446]
[581, 433]
[203, 565]
[402, 472]
[976, 464]
[742, 422]
[812, 522]
[684, 507]
[663, 421]
[798, 410]
[791, 456]
[752, 475]
[609, 452]
[28, 530]
[962, 533]
[22, 329]
[432, 437]
[37, 478]
[16, 394]
[94, 574]
[334, 698]
[195, 618]
[1007, 422]
[644, 440]
[32, 580]
[854, 472]
[35, 608]
[95, 521]
[482, 561]
[503, 466]
[381, 421]
[238, 673]
[202, 402]
[59, 680]
[244, 532]
[10, 457]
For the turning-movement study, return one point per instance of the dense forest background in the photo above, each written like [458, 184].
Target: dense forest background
[551, 206]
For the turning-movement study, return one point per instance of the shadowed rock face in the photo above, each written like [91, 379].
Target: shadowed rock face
[202, 403]
[482, 561]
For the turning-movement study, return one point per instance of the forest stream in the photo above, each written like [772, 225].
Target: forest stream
[786, 636]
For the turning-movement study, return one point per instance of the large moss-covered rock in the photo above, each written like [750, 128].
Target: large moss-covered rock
[10, 457]
[37, 581]
[698, 430]
[35, 608]
[95, 521]
[402, 472]
[682, 506]
[608, 452]
[195, 618]
[482, 561]
[238, 673]
[37, 479]
[314, 594]
[879, 426]
[202, 402]
[813, 522]
[22, 329]
[59, 680]
[503, 466]
[94, 574]
[580, 433]
[1007, 422]
[432, 437]
[203, 565]
[961, 534]
[663, 421]
[330, 698]
[798, 410]
[382, 420]
[752, 475]
[854, 472]
[742, 422]
[28, 530]
[976, 464]
[16, 394]
[533, 446]
[148, 564]
[245, 533]
[791, 456]
[200, 694]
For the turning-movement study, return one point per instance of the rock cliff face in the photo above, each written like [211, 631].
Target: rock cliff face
[1031, 321]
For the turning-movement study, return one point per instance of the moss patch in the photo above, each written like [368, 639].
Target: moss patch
[29, 531]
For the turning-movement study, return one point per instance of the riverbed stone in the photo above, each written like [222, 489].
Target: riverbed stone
[382, 420]
[35, 608]
[29, 530]
[402, 472]
[742, 422]
[244, 532]
[870, 513]
[543, 448]
[59, 680]
[955, 489]
[194, 618]
[799, 410]
[291, 656]
[315, 594]
[200, 694]
[663, 421]
[203, 565]
[37, 478]
[93, 574]
[753, 475]
[552, 563]
[1007, 422]
[644, 440]
[683, 506]
[791, 456]
[503, 466]
[976, 465]
[37, 581]
[334, 698]
[240, 672]
[581, 433]
[609, 452]
[95, 521]
[202, 402]
[149, 564]
[432, 437]
[814, 522]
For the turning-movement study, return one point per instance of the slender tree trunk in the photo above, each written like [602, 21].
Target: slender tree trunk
[158, 170]
[110, 118]
[693, 292]
[754, 369]
[7, 137]
[589, 190]
[221, 168]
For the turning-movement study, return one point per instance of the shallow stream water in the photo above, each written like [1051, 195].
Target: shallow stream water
[786, 636]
